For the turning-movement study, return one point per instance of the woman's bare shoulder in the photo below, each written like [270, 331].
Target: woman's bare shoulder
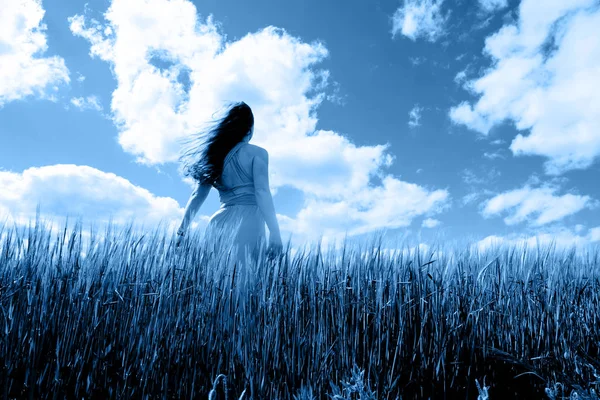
[255, 150]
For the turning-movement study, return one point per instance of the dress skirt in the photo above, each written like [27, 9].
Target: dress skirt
[237, 229]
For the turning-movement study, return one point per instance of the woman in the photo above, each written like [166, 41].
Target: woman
[223, 158]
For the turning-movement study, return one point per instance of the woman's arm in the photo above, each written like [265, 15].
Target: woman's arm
[260, 172]
[196, 199]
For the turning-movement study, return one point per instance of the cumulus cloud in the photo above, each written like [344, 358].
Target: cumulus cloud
[82, 191]
[431, 223]
[87, 103]
[562, 238]
[594, 234]
[173, 70]
[419, 19]
[493, 5]
[415, 116]
[393, 205]
[534, 82]
[23, 70]
[539, 206]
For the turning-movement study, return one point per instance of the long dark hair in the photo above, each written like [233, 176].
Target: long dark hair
[205, 152]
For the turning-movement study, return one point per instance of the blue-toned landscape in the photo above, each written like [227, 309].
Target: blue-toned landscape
[433, 168]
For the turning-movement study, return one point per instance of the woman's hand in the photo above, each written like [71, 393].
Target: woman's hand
[179, 238]
[275, 247]
[196, 199]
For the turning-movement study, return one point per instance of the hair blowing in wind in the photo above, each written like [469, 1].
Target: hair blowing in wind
[204, 152]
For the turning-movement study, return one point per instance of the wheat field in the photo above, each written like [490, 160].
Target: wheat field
[124, 314]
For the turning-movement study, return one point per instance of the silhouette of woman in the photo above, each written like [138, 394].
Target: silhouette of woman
[221, 157]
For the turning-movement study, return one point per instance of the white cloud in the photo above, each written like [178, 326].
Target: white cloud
[274, 73]
[393, 205]
[522, 204]
[82, 191]
[492, 5]
[493, 155]
[23, 72]
[419, 19]
[534, 83]
[485, 178]
[416, 60]
[464, 114]
[477, 184]
[460, 77]
[562, 238]
[87, 103]
[415, 116]
[470, 198]
[579, 228]
[431, 223]
[594, 234]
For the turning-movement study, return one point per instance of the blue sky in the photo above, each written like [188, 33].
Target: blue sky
[429, 119]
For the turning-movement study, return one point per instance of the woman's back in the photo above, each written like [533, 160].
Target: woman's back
[239, 206]
[237, 167]
[241, 177]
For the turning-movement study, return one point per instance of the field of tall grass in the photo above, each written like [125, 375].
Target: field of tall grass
[123, 314]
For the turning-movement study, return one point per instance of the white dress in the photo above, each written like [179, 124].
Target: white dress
[239, 217]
